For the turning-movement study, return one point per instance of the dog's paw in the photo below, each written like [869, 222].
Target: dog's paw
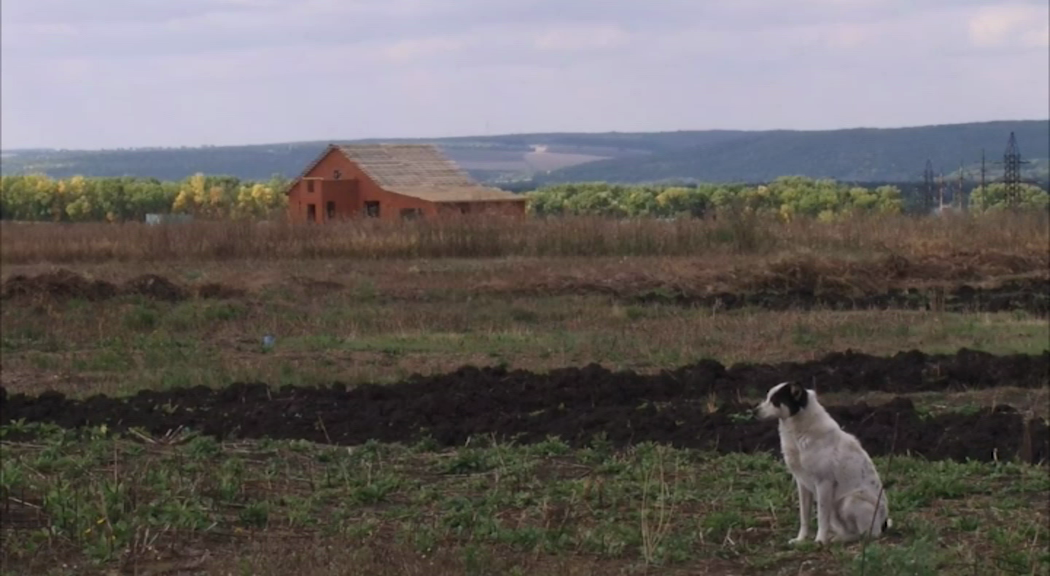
[797, 540]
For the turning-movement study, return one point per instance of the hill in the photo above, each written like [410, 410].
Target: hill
[859, 155]
[856, 155]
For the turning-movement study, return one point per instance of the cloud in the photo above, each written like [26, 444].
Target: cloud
[415, 50]
[153, 72]
[1008, 24]
[581, 38]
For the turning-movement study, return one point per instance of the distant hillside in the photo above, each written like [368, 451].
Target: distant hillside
[860, 155]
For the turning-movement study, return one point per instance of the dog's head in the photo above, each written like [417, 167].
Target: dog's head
[783, 401]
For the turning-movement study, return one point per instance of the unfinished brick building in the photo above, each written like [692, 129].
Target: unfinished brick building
[391, 181]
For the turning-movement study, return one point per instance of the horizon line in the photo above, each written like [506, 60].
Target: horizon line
[509, 134]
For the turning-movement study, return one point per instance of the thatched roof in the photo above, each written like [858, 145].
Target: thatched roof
[416, 170]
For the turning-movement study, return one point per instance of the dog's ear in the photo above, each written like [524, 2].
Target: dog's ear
[796, 390]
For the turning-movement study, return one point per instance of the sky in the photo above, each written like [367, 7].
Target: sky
[131, 73]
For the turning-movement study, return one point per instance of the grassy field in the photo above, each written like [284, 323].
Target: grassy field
[191, 503]
[126, 344]
[381, 303]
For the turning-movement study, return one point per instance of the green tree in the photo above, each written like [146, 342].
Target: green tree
[995, 197]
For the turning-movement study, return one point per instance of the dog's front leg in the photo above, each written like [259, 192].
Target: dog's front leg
[805, 508]
[825, 493]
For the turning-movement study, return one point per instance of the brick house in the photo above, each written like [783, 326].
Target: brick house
[391, 181]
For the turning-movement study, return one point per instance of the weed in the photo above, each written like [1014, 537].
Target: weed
[918, 558]
[141, 318]
[100, 496]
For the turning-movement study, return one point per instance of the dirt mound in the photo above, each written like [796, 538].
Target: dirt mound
[65, 285]
[793, 287]
[577, 404]
[60, 285]
[1030, 295]
[798, 289]
[904, 372]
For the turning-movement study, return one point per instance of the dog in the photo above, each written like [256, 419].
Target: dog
[829, 466]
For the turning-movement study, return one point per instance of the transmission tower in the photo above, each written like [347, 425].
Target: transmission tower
[1012, 171]
[982, 170]
[929, 187]
[940, 191]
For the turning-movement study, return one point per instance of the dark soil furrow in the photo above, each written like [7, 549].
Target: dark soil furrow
[1030, 295]
[65, 285]
[696, 406]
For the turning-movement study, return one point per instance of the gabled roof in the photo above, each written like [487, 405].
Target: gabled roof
[416, 170]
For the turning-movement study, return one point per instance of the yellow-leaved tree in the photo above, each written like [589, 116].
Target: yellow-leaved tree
[191, 196]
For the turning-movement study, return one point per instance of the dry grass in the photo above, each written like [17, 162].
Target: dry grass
[1021, 234]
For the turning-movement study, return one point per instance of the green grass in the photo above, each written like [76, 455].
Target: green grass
[129, 344]
[97, 501]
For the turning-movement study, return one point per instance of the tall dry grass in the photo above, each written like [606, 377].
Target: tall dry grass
[1027, 234]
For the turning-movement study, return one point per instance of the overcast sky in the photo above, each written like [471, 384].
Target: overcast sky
[123, 73]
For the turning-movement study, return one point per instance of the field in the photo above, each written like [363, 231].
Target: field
[553, 396]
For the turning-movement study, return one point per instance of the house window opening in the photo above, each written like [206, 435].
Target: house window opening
[309, 185]
[311, 212]
[337, 175]
[330, 210]
[372, 209]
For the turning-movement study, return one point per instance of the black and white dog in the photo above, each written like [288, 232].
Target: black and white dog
[828, 465]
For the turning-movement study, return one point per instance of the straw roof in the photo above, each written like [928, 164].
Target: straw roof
[393, 165]
[419, 171]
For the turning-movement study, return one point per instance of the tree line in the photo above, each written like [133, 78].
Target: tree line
[787, 197]
[80, 199]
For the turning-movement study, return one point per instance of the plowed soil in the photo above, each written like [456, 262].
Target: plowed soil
[1028, 294]
[696, 406]
[64, 285]
[1031, 295]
